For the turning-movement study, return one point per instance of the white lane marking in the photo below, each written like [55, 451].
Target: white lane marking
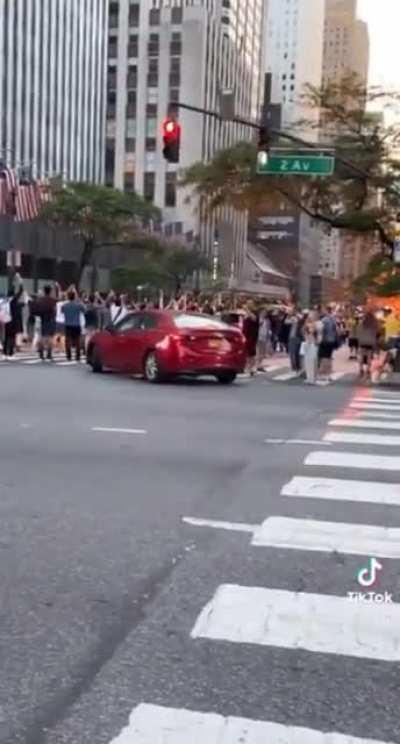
[152, 724]
[309, 534]
[32, 361]
[313, 622]
[286, 377]
[343, 490]
[115, 430]
[338, 375]
[345, 437]
[219, 525]
[66, 364]
[353, 460]
[356, 423]
[297, 441]
[376, 399]
[374, 407]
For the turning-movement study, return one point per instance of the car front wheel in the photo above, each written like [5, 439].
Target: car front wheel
[226, 378]
[95, 360]
[152, 370]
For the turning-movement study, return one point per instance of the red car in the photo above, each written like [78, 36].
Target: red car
[161, 344]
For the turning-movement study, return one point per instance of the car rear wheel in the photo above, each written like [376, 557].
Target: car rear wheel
[152, 370]
[226, 378]
[95, 360]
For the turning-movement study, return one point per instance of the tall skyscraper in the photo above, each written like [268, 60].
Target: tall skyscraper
[163, 51]
[346, 51]
[53, 86]
[293, 48]
[346, 42]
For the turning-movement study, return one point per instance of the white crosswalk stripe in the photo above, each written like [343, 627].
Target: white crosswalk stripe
[378, 399]
[309, 534]
[345, 437]
[364, 415]
[322, 623]
[375, 406]
[286, 377]
[152, 724]
[365, 424]
[336, 489]
[59, 360]
[328, 458]
[272, 617]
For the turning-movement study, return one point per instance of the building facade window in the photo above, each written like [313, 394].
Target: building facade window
[131, 128]
[176, 44]
[129, 181]
[110, 161]
[175, 72]
[151, 110]
[154, 17]
[170, 189]
[131, 78]
[130, 144]
[113, 19]
[134, 11]
[153, 46]
[112, 78]
[151, 127]
[111, 104]
[177, 15]
[112, 47]
[133, 46]
[152, 77]
[174, 95]
[149, 186]
[131, 104]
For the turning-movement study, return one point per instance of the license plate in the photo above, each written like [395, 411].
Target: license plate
[215, 343]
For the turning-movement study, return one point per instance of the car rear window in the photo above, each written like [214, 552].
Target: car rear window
[199, 321]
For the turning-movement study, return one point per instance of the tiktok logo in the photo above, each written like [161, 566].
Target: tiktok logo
[368, 575]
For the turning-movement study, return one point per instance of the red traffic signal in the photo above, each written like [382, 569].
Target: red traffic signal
[171, 139]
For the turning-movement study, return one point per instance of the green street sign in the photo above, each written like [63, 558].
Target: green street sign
[295, 165]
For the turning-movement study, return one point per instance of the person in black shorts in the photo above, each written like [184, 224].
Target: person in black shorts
[329, 342]
[368, 339]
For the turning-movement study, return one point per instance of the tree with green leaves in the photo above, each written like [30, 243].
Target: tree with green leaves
[174, 265]
[363, 194]
[100, 216]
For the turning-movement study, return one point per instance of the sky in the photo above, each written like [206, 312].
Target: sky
[383, 17]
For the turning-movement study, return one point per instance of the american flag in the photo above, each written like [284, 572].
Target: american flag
[20, 198]
[8, 187]
[27, 202]
[3, 195]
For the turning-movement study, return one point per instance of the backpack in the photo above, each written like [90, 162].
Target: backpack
[329, 331]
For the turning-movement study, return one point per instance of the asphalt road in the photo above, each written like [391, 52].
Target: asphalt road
[102, 581]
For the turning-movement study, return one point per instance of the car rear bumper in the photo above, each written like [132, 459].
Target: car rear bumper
[187, 362]
[207, 371]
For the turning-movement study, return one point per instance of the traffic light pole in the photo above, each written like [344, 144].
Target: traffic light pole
[272, 132]
[261, 128]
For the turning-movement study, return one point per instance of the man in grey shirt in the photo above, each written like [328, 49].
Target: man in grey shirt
[72, 311]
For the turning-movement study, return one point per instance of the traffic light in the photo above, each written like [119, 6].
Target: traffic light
[172, 140]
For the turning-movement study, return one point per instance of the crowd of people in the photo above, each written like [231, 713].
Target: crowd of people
[65, 320]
